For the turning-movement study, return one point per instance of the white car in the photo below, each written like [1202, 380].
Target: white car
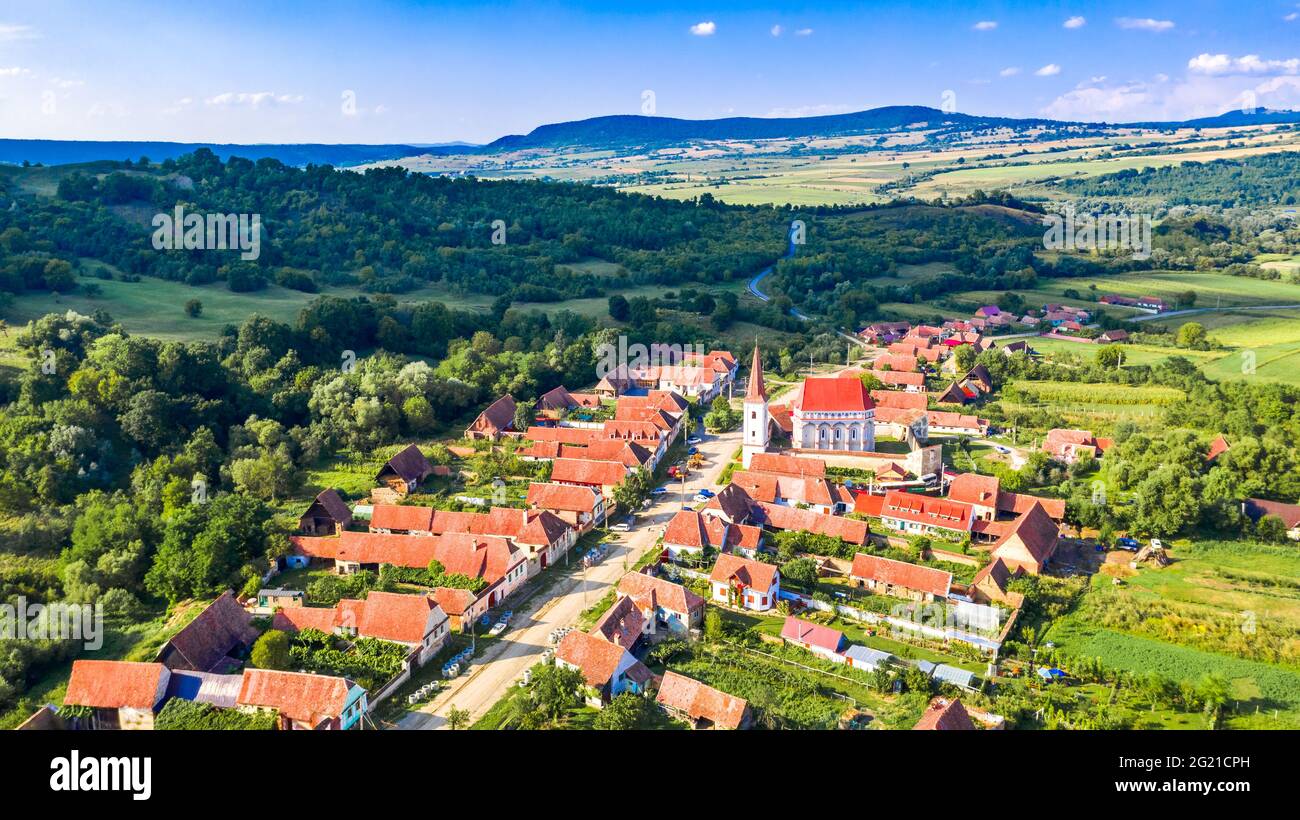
[694, 440]
[621, 526]
[497, 628]
[1001, 449]
[702, 498]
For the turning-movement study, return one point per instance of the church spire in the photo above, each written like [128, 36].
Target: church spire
[756, 391]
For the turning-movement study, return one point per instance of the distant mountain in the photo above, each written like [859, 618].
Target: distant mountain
[1231, 119]
[63, 152]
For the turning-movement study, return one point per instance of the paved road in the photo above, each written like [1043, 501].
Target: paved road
[763, 297]
[502, 665]
[1194, 311]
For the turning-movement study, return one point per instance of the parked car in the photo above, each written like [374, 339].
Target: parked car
[659, 491]
[497, 628]
[694, 440]
[1130, 544]
[621, 526]
[701, 497]
[707, 493]
[1001, 449]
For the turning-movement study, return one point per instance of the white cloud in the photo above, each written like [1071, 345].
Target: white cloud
[1075, 22]
[10, 32]
[804, 32]
[1221, 64]
[1009, 71]
[809, 111]
[1144, 23]
[985, 25]
[776, 30]
[1163, 99]
[1292, 17]
[1049, 70]
[15, 71]
[254, 99]
[60, 82]
[704, 29]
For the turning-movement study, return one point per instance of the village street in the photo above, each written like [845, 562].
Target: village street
[521, 647]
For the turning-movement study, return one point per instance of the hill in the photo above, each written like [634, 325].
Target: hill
[63, 152]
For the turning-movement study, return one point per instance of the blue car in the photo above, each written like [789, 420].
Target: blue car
[1126, 543]
[706, 493]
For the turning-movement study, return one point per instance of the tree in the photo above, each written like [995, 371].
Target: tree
[965, 357]
[524, 414]
[271, 650]
[619, 309]
[1192, 336]
[713, 625]
[1110, 356]
[720, 417]
[803, 571]
[1271, 528]
[457, 719]
[204, 546]
[555, 690]
[1212, 690]
[193, 308]
[625, 712]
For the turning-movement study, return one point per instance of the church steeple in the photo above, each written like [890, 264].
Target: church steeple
[756, 391]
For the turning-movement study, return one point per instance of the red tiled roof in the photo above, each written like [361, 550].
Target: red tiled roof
[622, 623]
[629, 453]
[298, 618]
[868, 504]
[937, 512]
[115, 684]
[835, 394]
[1019, 504]
[1036, 531]
[566, 497]
[787, 465]
[401, 517]
[1217, 448]
[488, 557]
[754, 574]
[498, 417]
[454, 602]
[973, 488]
[701, 702]
[810, 634]
[565, 435]
[899, 378]
[390, 616]
[945, 714]
[298, 696]
[649, 592]
[689, 528]
[770, 487]
[596, 658]
[756, 391]
[902, 574]
[897, 362]
[1257, 508]
[583, 471]
[899, 399]
[204, 643]
[780, 517]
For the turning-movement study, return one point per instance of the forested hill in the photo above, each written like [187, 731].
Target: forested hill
[1266, 180]
[66, 152]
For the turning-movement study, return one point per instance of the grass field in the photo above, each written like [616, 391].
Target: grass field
[1090, 406]
[1218, 607]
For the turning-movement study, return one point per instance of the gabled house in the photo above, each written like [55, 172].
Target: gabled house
[603, 476]
[496, 421]
[690, 532]
[1257, 508]
[302, 700]
[701, 706]
[122, 694]
[623, 624]
[578, 506]
[945, 714]
[667, 606]
[899, 578]
[608, 670]
[812, 492]
[327, 515]
[1031, 542]
[915, 514]
[818, 639]
[743, 583]
[1067, 446]
[403, 472]
[214, 641]
[416, 622]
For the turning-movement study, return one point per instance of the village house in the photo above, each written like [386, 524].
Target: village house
[899, 578]
[743, 583]
[911, 382]
[215, 641]
[689, 533]
[496, 421]
[416, 622]
[269, 600]
[122, 694]
[814, 493]
[990, 502]
[556, 402]
[327, 515]
[817, 639]
[602, 476]
[623, 623]
[915, 514]
[580, 507]
[1112, 336]
[884, 333]
[461, 606]
[1067, 446]
[735, 506]
[1257, 508]
[992, 585]
[666, 605]
[944, 714]
[403, 472]
[703, 378]
[541, 535]
[701, 706]
[939, 422]
[1030, 543]
[608, 670]
[302, 700]
[781, 464]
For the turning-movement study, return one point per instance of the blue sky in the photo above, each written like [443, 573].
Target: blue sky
[432, 72]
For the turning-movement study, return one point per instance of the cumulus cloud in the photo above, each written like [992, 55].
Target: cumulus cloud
[1222, 64]
[776, 30]
[15, 71]
[985, 25]
[1075, 22]
[1009, 71]
[1144, 23]
[253, 99]
[804, 32]
[1049, 70]
[1167, 99]
[706, 28]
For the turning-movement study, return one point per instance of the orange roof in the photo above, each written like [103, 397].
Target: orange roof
[780, 517]
[689, 528]
[1036, 531]
[937, 512]
[115, 684]
[973, 488]
[899, 399]
[902, 574]
[868, 504]
[896, 362]
[835, 394]
[454, 602]
[622, 623]
[488, 557]
[770, 487]
[1217, 448]
[585, 471]
[565, 435]
[1019, 504]
[701, 702]
[787, 465]
[566, 497]
[390, 616]
[940, 418]
[401, 517]
[651, 592]
[597, 659]
[896, 377]
[297, 618]
[629, 453]
[298, 696]
[811, 634]
[945, 714]
[749, 573]
[369, 548]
